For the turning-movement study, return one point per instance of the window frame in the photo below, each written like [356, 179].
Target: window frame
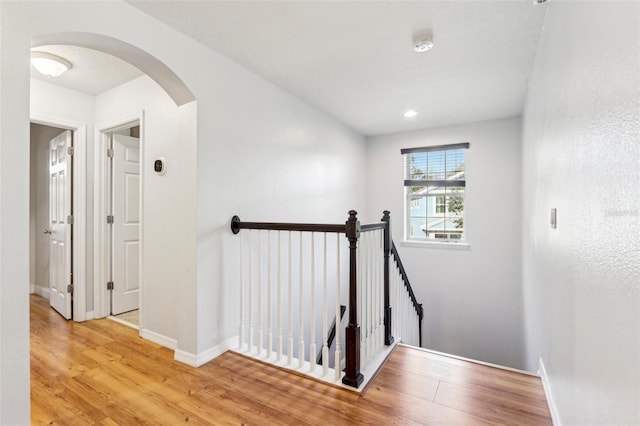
[440, 204]
[410, 199]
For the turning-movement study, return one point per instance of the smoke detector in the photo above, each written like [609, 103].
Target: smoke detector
[422, 42]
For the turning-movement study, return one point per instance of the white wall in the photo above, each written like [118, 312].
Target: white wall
[581, 155]
[276, 159]
[309, 168]
[472, 298]
[39, 205]
[164, 196]
[165, 216]
[14, 234]
[60, 106]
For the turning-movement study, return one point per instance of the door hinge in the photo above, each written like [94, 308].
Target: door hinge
[109, 152]
[70, 219]
[110, 219]
[110, 285]
[70, 150]
[70, 288]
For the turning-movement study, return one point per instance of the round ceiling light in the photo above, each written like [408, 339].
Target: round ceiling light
[48, 64]
[410, 113]
[422, 43]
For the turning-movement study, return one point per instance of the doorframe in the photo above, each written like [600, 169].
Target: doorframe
[79, 212]
[101, 204]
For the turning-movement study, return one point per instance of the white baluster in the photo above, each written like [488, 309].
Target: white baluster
[378, 310]
[290, 301]
[374, 292]
[403, 307]
[407, 324]
[405, 331]
[250, 304]
[301, 352]
[312, 319]
[259, 346]
[269, 298]
[400, 305]
[393, 300]
[360, 294]
[416, 342]
[414, 330]
[369, 302]
[362, 302]
[336, 358]
[241, 326]
[279, 303]
[325, 347]
[382, 305]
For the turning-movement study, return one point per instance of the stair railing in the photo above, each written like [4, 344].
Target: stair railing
[276, 284]
[410, 325]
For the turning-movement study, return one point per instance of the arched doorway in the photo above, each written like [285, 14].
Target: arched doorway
[93, 165]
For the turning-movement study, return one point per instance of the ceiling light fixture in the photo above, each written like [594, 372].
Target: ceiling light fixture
[422, 42]
[48, 64]
[410, 113]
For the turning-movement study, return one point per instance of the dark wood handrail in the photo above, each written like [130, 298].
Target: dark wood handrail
[237, 225]
[373, 226]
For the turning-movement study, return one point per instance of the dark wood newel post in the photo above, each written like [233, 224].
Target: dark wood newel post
[352, 376]
[388, 338]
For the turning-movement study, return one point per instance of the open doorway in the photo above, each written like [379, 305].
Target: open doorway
[51, 216]
[124, 222]
[137, 107]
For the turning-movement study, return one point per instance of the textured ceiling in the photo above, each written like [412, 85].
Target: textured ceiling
[354, 59]
[91, 71]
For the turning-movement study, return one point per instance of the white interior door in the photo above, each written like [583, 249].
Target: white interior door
[60, 230]
[126, 224]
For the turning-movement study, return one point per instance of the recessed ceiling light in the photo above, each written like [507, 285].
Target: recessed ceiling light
[422, 43]
[48, 64]
[410, 113]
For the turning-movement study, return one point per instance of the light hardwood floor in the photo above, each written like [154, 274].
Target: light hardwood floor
[132, 317]
[100, 372]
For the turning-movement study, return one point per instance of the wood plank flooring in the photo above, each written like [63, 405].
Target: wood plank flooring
[101, 373]
[132, 317]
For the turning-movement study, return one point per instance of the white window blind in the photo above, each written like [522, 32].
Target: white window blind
[434, 181]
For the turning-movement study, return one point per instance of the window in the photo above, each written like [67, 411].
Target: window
[434, 181]
[441, 204]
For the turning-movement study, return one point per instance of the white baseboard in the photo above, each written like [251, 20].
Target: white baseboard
[475, 361]
[32, 288]
[196, 360]
[128, 324]
[158, 338]
[553, 409]
[41, 291]
[90, 315]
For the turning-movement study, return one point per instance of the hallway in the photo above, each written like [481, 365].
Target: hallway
[101, 372]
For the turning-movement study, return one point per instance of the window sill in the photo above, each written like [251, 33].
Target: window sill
[437, 245]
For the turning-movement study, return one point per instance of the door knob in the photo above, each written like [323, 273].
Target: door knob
[48, 231]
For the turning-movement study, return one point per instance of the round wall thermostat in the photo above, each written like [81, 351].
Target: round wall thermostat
[159, 166]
